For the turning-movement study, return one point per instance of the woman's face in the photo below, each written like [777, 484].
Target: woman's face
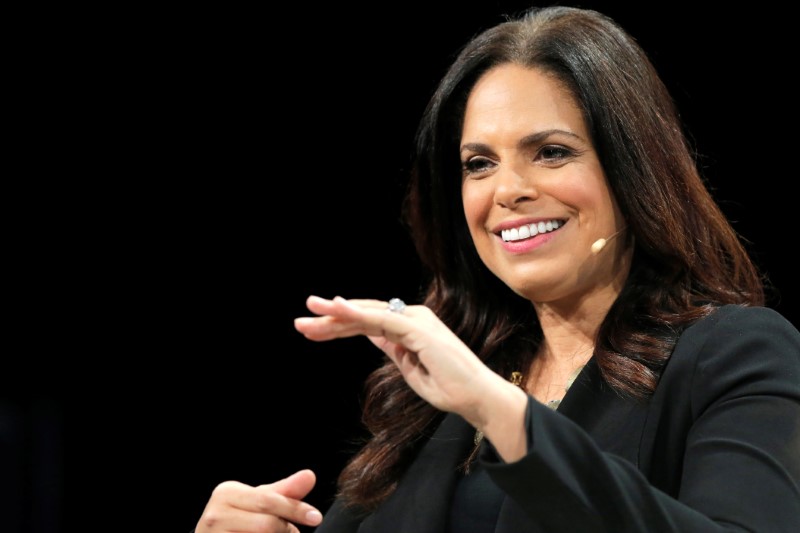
[528, 162]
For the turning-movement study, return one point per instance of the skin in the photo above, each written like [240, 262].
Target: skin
[527, 156]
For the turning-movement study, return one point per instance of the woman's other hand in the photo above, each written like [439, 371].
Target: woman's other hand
[273, 508]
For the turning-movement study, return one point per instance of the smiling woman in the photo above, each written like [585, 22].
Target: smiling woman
[591, 320]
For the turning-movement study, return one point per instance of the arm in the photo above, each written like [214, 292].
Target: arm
[742, 461]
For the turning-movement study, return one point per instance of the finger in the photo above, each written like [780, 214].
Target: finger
[341, 318]
[269, 500]
[324, 306]
[238, 520]
[296, 486]
[374, 320]
[327, 327]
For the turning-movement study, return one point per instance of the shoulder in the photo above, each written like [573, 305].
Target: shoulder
[743, 318]
[739, 350]
[742, 328]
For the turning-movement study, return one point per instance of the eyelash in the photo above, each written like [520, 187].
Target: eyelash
[480, 164]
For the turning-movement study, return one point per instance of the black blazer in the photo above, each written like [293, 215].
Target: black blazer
[716, 448]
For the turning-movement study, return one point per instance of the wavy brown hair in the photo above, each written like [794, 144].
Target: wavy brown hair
[687, 261]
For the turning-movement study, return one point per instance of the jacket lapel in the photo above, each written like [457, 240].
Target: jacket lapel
[614, 422]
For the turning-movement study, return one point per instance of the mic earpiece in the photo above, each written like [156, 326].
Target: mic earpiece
[599, 244]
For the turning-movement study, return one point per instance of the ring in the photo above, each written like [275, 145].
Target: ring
[396, 305]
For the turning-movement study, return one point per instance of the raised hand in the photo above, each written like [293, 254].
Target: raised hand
[432, 359]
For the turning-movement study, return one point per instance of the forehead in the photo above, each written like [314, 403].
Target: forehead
[511, 95]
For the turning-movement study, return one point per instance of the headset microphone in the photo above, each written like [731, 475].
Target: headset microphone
[599, 244]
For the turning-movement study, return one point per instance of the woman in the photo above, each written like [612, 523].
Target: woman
[593, 352]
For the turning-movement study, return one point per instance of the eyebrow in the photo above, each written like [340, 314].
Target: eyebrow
[533, 138]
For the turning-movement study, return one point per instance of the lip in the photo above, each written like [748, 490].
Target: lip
[529, 244]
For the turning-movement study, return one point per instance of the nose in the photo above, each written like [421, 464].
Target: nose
[514, 187]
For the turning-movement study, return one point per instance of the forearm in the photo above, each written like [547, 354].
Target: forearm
[566, 477]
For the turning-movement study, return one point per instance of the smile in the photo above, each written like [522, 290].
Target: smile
[529, 230]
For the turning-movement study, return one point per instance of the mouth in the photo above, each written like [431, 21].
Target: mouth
[526, 231]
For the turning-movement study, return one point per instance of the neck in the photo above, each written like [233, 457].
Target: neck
[551, 373]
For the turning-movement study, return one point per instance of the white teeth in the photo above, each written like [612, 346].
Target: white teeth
[529, 230]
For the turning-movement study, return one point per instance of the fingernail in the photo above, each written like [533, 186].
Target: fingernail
[315, 517]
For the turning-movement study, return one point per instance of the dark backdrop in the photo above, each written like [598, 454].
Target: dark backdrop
[247, 158]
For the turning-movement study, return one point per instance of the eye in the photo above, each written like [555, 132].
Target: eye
[554, 154]
[476, 165]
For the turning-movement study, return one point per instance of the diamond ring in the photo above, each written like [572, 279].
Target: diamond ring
[396, 305]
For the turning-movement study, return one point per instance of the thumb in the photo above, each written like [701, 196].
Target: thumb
[297, 485]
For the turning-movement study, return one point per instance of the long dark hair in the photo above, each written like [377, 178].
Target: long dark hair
[687, 259]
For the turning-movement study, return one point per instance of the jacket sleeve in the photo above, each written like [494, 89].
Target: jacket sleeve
[741, 468]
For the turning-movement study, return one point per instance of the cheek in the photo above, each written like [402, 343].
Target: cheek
[476, 205]
[582, 192]
[577, 194]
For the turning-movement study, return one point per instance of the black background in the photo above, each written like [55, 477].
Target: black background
[228, 162]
